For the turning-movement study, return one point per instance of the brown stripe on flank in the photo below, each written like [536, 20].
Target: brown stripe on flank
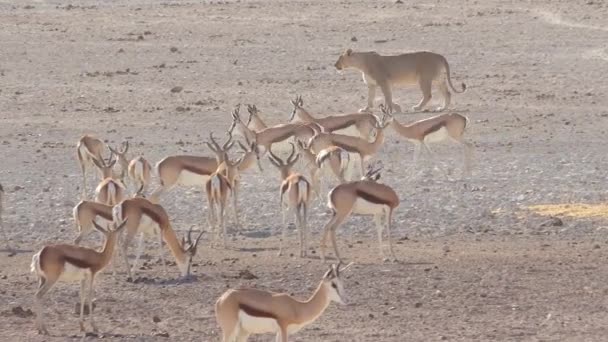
[77, 262]
[251, 311]
[434, 128]
[371, 197]
[196, 170]
[151, 214]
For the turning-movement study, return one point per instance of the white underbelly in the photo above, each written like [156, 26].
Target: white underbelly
[257, 325]
[73, 273]
[188, 178]
[148, 227]
[350, 130]
[437, 136]
[363, 207]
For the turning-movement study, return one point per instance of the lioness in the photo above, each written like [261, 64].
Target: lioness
[424, 68]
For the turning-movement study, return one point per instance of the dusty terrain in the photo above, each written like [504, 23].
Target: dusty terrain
[475, 263]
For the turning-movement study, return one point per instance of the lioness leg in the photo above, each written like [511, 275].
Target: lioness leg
[445, 92]
[388, 98]
[425, 87]
[371, 95]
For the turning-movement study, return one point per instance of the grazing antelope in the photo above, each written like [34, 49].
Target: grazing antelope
[6, 240]
[363, 148]
[295, 196]
[271, 135]
[110, 191]
[364, 197]
[219, 188]
[123, 162]
[242, 312]
[140, 172]
[255, 122]
[72, 263]
[85, 213]
[151, 219]
[363, 122]
[89, 149]
[190, 170]
[434, 129]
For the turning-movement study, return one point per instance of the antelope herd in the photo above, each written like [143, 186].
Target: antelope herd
[331, 143]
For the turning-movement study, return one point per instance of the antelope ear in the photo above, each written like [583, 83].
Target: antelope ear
[349, 52]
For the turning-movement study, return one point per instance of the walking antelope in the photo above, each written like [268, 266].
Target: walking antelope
[434, 129]
[72, 263]
[364, 197]
[255, 122]
[140, 172]
[219, 188]
[151, 219]
[363, 148]
[89, 148]
[190, 170]
[295, 196]
[109, 191]
[242, 312]
[363, 122]
[271, 135]
[123, 162]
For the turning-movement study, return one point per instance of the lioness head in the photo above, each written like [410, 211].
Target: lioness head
[344, 60]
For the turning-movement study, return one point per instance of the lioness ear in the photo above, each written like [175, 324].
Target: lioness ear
[349, 52]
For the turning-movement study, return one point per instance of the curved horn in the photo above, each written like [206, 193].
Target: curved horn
[215, 147]
[228, 144]
[126, 144]
[293, 151]
[274, 159]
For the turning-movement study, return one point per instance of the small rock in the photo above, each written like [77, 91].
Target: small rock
[173, 49]
[552, 222]
[370, 315]
[17, 188]
[156, 319]
[177, 89]
[246, 274]
[418, 305]
[353, 39]
[162, 334]
[20, 312]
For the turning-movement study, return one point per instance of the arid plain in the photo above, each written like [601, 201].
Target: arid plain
[517, 252]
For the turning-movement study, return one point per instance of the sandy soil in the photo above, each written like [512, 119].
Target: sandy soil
[476, 265]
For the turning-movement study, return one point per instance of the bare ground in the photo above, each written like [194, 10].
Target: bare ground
[476, 265]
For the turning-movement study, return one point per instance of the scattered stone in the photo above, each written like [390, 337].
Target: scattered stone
[156, 319]
[173, 49]
[162, 334]
[20, 312]
[246, 274]
[418, 305]
[177, 89]
[353, 39]
[552, 222]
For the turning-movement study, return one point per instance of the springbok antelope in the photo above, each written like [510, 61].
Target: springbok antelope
[85, 213]
[363, 122]
[88, 148]
[218, 188]
[190, 170]
[295, 196]
[255, 122]
[364, 197]
[140, 172]
[72, 263]
[438, 128]
[243, 312]
[335, 158]
[123, 161]
[363, 148]
[271, 135]
[151, 219]
[110, 190]
[6, 240]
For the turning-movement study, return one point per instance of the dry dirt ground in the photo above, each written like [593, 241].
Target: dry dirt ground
[475, 263]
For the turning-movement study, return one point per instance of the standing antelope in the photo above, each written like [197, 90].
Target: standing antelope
[243, 312]
[151, 219]
[271, 135]
[189, 170]
[295, 196]
[123, 161]
[72, 263]
[110, 190]
[89, 149]
[85, 213]
[218, 189]
[434, 129]
[363, 122]
[364, 197]
[140, 172]
[255, 122]
[356, 145]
